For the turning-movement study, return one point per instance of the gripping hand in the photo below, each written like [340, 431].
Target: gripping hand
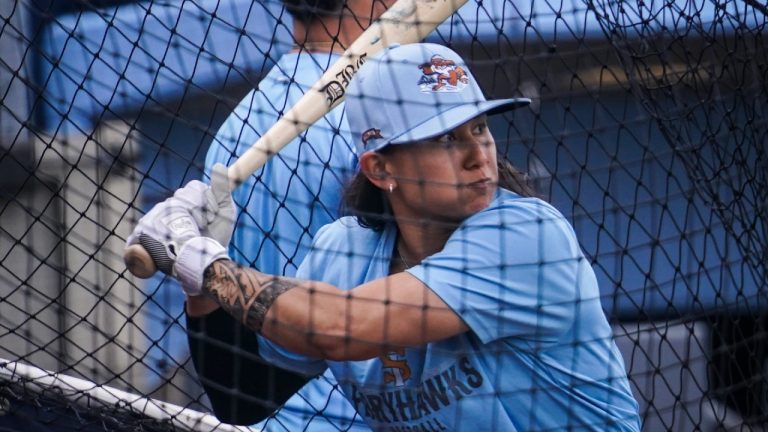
[171, 235]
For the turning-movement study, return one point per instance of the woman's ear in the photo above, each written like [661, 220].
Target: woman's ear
[374, 166]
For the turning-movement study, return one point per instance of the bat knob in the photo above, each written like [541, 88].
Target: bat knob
[138, 262]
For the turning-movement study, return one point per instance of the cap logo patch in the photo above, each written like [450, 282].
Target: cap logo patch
[370, 134]
[442, 75]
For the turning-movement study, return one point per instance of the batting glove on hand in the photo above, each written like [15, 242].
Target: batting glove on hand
[172, 237]
[211, 207]
[219, 211]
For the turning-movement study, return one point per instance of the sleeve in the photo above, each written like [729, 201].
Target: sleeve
[509, 271]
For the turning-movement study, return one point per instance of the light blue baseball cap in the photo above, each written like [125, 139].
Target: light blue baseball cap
[414, 92]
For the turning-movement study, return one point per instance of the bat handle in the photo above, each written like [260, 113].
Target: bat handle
[138, 262]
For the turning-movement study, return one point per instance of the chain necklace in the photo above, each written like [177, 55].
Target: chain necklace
[402, 257]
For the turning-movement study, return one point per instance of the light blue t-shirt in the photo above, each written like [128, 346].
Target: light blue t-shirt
[283, 205]
[539, 354]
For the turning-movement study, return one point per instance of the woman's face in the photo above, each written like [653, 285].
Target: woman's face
[447, 178]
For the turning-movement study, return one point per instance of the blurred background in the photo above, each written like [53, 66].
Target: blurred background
[648, 131]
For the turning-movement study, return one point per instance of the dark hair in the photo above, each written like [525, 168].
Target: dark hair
[371, 207]
[307, 10]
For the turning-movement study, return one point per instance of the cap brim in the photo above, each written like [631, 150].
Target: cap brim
[455, 116]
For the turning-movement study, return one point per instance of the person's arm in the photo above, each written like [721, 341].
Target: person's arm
[242, 389]
[319, 320]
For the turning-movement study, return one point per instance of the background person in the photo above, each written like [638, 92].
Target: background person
[280, 208]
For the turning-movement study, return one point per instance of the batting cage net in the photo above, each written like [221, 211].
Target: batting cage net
[647, 130]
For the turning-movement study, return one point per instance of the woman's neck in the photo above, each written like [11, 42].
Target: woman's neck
[417, 240]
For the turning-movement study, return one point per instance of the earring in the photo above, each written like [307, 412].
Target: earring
[391, 187]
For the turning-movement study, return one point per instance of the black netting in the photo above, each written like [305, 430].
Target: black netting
[647, 130]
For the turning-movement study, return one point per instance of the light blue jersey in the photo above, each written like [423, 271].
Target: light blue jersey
[284, 204]
[539, 354]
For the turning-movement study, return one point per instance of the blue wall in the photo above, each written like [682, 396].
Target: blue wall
[658, 244]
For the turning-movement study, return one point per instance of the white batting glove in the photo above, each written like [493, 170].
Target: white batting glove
[194, 257]
[211, 207]
[170, 234]
[219, 207]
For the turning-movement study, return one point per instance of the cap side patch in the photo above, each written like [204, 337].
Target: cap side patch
[371, 134]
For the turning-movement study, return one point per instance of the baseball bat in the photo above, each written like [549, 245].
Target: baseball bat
[406, 21]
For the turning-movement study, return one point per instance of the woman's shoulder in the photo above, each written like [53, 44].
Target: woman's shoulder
[509, 207]
[345, 231]
[340, 251]
[524, 217]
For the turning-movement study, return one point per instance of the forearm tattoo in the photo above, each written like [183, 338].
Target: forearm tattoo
[240, 293]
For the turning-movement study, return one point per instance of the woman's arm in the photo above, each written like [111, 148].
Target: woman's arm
[319, 320]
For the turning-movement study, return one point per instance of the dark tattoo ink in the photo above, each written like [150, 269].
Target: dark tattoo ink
[240, 293]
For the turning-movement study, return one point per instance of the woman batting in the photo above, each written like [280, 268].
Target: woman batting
[448, 300]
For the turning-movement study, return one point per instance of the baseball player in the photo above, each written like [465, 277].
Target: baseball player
[448, 300]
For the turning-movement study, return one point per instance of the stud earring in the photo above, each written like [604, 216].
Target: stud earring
[391, 187]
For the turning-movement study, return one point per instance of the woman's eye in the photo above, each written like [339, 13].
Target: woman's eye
[480, 128]
[447, 139]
